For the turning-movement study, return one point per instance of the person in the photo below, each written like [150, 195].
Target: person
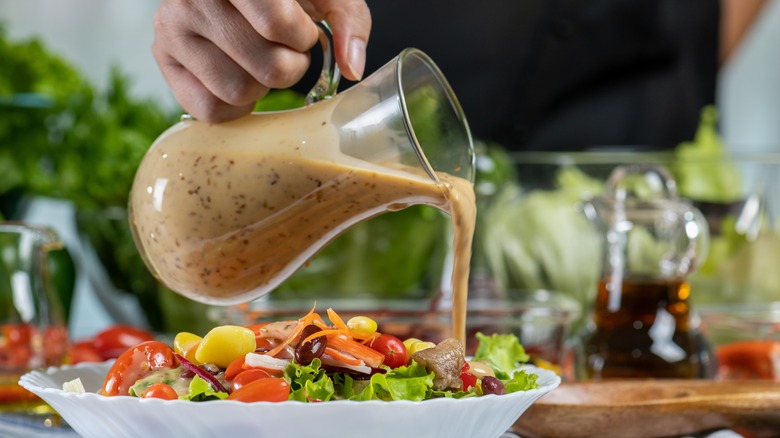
[219, 57]
[534, 74]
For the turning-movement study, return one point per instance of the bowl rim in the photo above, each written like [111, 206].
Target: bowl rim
[30, 379]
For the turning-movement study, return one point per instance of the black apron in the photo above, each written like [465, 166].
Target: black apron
[564, 74]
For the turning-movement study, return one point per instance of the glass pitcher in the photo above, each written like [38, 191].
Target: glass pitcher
[642, 324]
[33, 333]
[222, 213]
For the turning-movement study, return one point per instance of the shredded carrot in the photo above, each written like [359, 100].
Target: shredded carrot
[336, 320]
[340, 339]
[368, 355]
[341, 325]
[311, 312]
[363, 338]
[367, 338]
[343, 357]
[324, 333]
[321, 324]
[302, 322]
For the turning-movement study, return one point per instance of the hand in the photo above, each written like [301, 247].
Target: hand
[220, 56]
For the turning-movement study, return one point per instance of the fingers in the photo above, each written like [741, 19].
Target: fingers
[350, 21]
[219, 57]
[204, 102]
[281, 21]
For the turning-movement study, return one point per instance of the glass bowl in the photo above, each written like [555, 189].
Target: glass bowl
[745, 338]
[541, 319]
[532, 233]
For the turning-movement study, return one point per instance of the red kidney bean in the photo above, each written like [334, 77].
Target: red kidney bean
[306, 352]
[491, 385]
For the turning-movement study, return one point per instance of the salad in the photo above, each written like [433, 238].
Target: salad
[314, 360]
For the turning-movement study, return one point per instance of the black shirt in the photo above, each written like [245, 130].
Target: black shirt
[564, 74]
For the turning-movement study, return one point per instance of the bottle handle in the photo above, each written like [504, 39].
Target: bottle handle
[328, 83]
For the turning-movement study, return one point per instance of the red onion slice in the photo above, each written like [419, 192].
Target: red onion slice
[205, 375]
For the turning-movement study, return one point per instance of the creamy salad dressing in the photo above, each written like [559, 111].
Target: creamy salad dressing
[225, 212]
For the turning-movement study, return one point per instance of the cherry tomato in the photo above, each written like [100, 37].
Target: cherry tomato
[235, 368]
[161, 390]
[134, 364]
[115, 340]
[248, 376]
[394, 350]
[84, 351]
[55, 344]
[16, 348]
[749, 360]
[272, 389]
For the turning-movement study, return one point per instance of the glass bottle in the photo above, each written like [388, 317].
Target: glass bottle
[33, 333]
[642, 324]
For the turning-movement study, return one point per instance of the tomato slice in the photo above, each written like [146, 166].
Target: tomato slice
[272, 389]
[136, 363]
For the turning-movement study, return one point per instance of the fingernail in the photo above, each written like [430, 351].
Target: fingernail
[357, 57]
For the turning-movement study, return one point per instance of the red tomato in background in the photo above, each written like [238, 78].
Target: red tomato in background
[392, 348]
[749, 360]
[136, 363]
[272, 389]
[55, 345]
[15, 346]
[115, 340]
[84, 351]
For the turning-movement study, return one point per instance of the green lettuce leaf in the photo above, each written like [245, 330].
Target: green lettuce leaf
[502, 351]
[703, 170]
[201, 390]
[521, 381]
[352, 389]
[411, 382]
[309, 382]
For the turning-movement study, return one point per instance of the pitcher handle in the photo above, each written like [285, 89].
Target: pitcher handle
[328, 83]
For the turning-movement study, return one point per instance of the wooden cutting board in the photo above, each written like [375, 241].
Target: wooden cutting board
[654, 408]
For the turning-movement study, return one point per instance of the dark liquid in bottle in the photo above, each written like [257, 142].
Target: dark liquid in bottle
[641, 328]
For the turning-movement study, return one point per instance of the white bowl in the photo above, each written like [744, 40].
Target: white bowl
[93, 415]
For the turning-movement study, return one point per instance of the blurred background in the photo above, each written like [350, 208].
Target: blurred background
[83, 99]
